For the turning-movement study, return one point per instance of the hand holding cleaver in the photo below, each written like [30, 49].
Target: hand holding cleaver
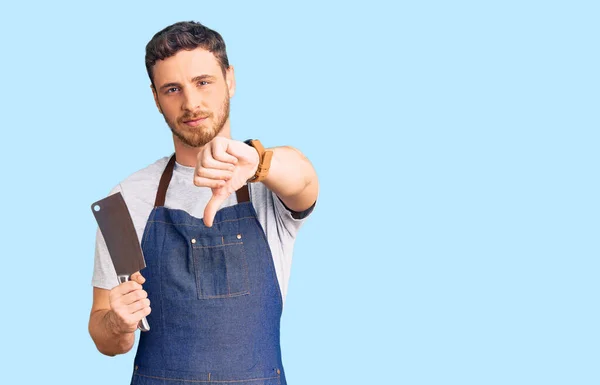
[122, 242]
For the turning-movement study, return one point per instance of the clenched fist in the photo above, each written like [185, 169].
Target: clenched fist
[224, 165]
[129, 304]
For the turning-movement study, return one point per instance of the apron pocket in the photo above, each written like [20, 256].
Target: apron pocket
[220, 266]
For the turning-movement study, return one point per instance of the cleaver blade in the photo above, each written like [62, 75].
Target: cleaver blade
[121, 239]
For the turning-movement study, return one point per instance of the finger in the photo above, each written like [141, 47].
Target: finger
[221, 153]
[139, 305]
[205, 182]
[126, 287]
[209, 173]
[212, 207]
[138, 315]
[208, 160]
[134, 296]
[137, 277]
[215, 164]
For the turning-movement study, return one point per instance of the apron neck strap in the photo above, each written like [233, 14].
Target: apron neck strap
[242, 193]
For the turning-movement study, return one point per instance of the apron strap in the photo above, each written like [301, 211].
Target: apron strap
[242, 193]
[161, 194]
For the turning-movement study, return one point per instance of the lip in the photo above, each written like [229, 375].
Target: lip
[195, 122]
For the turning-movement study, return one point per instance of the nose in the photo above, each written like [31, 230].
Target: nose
[192, 99]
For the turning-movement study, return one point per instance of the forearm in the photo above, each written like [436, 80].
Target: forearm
[293, 178]
[103, 331]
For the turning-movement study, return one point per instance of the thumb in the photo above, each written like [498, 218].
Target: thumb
[137, 277]
[212, 207]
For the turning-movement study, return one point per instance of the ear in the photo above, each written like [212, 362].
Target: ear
[230, 80]
[156, 98]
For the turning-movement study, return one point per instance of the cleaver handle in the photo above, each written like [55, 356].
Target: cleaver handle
[143, 324]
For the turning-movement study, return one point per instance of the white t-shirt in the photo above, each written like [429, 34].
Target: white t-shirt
[139, 192]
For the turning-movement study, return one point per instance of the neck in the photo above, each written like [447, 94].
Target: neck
[188, 156]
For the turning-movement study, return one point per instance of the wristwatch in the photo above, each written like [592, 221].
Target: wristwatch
[264, 160]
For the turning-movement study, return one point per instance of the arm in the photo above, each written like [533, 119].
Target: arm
[292, 178]
[115, 315]
[225, 165]
[102, 327]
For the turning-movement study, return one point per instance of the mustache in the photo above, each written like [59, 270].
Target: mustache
[194, 116]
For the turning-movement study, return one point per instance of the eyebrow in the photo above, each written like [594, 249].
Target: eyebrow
[194, 80]
[202, 77]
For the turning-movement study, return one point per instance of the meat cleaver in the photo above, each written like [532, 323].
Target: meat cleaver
[122, 242]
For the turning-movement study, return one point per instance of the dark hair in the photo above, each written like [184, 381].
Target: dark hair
[186, 35]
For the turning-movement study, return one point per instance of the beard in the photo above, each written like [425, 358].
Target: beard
[205, 132]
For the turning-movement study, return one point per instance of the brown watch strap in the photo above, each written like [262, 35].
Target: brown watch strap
[264, 161]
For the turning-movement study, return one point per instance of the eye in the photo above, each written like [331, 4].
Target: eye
[203, 83]
[171, 90]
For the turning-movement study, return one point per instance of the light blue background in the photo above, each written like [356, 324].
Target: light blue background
[456, 235]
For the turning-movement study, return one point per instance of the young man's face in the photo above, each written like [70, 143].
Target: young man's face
[193, 95]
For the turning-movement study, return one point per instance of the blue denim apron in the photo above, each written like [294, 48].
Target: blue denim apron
[216, 303]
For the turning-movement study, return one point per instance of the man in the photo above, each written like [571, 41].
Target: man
[217, 223]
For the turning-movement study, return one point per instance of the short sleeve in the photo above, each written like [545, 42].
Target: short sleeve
[288, 219]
